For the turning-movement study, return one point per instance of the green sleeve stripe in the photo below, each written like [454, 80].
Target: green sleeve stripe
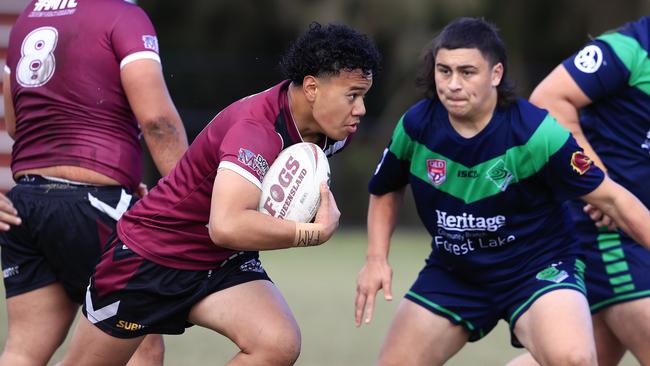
[633, 56]
[494, 175]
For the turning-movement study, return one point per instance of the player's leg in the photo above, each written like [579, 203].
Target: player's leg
[264, 329]
[557, 329]
[608, 347]
[90, 346]
[418, 336]
[630, 322]
[38, 323]
[151, 352]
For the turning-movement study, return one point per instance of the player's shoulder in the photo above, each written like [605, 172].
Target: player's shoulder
[525, 114]
[415, 119]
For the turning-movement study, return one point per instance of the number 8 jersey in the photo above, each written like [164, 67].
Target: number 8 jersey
[64, 63]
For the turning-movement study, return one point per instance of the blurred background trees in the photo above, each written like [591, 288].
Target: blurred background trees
[215, 52]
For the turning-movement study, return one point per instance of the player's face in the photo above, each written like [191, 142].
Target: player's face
[338, 103]
[466, 84]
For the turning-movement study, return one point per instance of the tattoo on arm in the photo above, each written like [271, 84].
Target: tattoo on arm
[308, 238]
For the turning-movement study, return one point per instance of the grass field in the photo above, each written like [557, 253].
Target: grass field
[319, 285]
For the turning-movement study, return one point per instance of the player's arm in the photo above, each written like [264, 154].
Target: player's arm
[235, 222]
[624, 208]
[161, 125]
[562, 97]
[10, 113]
[377, 274]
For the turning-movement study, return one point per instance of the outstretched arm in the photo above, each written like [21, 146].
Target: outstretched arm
[377, 274]
[160, 123]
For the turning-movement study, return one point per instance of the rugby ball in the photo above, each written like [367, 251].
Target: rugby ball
[291, 187]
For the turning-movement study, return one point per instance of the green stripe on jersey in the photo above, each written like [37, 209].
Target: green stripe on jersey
[633, 56]
[491, 177]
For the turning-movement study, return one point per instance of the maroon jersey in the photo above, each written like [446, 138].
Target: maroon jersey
[65, 59]
[169, 225]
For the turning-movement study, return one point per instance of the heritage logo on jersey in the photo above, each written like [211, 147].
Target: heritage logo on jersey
[469, 222]
[499, 175]
[254, 161]
[150, 42]
[580, 162]
[437, 171]
[51, 8]
[589, 59]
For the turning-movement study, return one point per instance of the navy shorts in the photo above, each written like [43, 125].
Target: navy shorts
[64, 227]
[479, 306]
[618, 269]
[130, 296]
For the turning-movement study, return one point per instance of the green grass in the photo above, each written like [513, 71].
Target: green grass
[319, 285]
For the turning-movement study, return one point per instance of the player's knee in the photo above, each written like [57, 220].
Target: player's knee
[280, 348]
[575, 357]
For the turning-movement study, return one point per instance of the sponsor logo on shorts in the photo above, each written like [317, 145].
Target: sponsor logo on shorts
[126, 325]
[252, 265]
[437, 171]
[500, 175]
[50, 8]
[552, 274]
[150, 42]
[589, 59]
[11, 271]
[580, 162]
[254, 161]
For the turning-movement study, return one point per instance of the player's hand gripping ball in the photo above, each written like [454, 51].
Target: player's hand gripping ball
[291, 187]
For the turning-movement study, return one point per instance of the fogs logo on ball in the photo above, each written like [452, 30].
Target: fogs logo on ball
[437, 171]
[283, 192]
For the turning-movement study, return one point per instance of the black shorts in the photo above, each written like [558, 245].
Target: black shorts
[63, 231]
[130, 296]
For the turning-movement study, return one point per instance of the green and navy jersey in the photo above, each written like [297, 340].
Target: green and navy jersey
[613, 70]
[492, 203]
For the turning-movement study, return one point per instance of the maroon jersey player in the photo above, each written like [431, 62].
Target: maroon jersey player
[187, 254]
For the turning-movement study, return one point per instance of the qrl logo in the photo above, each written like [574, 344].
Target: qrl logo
[437, 171]
[280, 192]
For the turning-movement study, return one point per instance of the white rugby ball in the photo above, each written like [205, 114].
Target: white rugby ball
[291, 187]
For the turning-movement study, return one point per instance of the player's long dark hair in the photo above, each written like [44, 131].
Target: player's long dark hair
[328, 50]
[467, 33]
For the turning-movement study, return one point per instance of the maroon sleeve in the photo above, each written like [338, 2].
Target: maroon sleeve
[133, 32]
[249, 148]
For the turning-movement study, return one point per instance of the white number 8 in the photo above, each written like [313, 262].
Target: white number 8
[37, 64]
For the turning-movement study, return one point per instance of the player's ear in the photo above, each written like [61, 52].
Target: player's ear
[309, 87]
[497, 74]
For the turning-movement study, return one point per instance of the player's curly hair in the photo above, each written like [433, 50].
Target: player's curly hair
[467, 33]
[326, 50]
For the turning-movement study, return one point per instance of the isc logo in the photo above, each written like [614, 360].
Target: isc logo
[278, 190]
[128, 325]
[467, 174]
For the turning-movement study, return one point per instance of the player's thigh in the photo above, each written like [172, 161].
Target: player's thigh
[609, 348]
[630, 322]
[38, 322]
[557, 329]
[151, 352]
[417, 336]
[251, 314]
[90, 346]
